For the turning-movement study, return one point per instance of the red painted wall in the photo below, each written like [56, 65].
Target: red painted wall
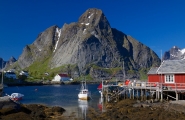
[155, 78]
[180, 78]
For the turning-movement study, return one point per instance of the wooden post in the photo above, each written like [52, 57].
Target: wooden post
[130, 93]
[141, 94]
[177, 96]
[161, 94]
[158, 94]
[133, 92]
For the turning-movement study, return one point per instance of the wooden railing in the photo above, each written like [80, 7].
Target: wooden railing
[164, 86]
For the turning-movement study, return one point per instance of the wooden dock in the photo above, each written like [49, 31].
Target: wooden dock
[1, 90]
[144, 91]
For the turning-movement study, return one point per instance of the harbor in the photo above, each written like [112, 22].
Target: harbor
[66, 96]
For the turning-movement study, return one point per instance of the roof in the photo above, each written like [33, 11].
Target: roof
[63, 75]
[172, 66]
[153, 70]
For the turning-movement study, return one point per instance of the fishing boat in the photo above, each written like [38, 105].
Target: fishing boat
[16, 96]
[84, 94]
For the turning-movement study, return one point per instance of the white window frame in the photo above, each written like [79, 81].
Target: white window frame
[169, 78]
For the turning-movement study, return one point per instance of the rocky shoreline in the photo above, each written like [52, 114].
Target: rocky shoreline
[10, 110]
[127, 109]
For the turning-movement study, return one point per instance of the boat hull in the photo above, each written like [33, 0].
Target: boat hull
[16, 99]
[83, 96]
[16, 96]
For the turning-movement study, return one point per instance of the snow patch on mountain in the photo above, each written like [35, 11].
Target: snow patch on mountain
[183, 51]
[90, 15]
[58, 32]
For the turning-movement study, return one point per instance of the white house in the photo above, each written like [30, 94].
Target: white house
[62, 78]
[10, 75]
[11, 70]
[24, 73]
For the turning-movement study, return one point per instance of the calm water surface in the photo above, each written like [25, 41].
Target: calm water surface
[65, 96]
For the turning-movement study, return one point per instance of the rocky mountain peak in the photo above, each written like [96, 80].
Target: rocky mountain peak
[12, 60]
[175, 53]
[94, 18]
[6, 64]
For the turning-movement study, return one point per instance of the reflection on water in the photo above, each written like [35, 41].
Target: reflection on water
[100, 104]
[83, 105]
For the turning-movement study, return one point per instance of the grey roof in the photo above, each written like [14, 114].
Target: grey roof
[153, 70]
[172, 66]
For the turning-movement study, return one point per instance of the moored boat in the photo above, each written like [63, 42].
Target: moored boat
[16, 96]
[84, 94]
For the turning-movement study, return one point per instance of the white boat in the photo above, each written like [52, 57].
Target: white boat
[84, 94]
[16, 96]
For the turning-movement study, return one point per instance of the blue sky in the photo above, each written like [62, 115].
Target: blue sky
[159, 24]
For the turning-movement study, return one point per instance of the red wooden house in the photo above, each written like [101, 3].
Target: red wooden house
[171, 73]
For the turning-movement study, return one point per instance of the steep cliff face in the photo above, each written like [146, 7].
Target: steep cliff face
[41, 48]
[91, 40]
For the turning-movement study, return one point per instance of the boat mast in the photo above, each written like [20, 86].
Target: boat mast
[85, 83]
[123, 71]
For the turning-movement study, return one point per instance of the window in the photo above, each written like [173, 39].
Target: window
[169, 78]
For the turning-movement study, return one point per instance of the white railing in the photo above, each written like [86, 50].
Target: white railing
[166, 86]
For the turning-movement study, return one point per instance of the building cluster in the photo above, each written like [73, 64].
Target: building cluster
[58, 77]
[11, 74]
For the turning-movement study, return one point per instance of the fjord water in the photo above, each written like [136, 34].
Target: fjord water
[65, 96]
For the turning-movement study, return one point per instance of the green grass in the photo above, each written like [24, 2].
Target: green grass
[143, 74]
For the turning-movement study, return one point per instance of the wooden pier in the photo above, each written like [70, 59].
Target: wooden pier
[144, 91]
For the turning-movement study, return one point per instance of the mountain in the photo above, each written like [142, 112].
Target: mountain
[88, 46]
[10, 62]
[174, 53]
[7, 64]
